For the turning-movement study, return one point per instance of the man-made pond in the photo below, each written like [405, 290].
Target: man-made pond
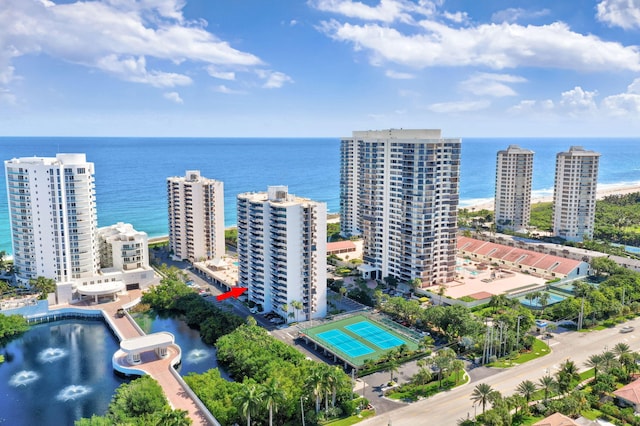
[197, 357]
[56, 373]
[61, 371]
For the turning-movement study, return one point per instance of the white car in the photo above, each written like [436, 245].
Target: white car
[253, 310]
[627, 329]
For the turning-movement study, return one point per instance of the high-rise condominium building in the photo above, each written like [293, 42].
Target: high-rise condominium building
[574, 194]
[282, 248]
[196, 217]
[514, 171]
[52, 209]
[123, 248]
[399, 190]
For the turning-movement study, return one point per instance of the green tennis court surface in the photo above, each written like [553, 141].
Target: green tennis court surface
[358, 338]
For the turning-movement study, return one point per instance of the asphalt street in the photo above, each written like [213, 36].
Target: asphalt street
[447, 408]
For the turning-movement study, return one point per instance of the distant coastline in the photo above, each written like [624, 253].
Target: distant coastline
[612, 189]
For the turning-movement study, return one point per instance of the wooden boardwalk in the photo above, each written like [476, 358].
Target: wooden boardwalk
[158, 368]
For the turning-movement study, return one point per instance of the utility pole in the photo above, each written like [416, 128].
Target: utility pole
[518, 334]
[581, 315]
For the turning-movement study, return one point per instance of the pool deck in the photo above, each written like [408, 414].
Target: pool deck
[158, 368]
[467, 284]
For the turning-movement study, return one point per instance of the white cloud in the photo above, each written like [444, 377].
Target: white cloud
[528, 106]
[491, 84]
[620, 13]
[496, 46]
[624, 104]
[385, 11]
[578, 100]
[115, 36]
[513, 14]
[222, 75]
[275, 79]
[134, 70]
[457, 17]
[174, 97]
[399, 75]
[227, 90]
[459, 106]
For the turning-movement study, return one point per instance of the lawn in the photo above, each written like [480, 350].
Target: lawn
[410, 393]
[347, 421]
[539, 349]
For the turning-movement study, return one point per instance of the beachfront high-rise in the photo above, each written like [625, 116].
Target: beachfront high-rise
[196, 217]
[52, 209]
[282, 248]
[574, 195]
[399, 190]
[514, 172]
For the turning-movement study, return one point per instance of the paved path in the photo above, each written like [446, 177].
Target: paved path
[158, 368]
[446, 408]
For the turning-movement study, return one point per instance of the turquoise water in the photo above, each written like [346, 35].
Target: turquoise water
[131, 172]
[535, 303]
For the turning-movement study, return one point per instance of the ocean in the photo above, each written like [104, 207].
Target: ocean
[130, 173]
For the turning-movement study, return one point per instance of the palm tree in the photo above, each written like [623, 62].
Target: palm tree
[392, 367]
[595, 361]
[298, 306]
[527, 389]
[334, 375]
[608, 360]
[248, 400]
[271, 396]
[620, 349]
[547, 384]
[543, 300]
[457, 365]
[567, 373]
[315, 384]
[481, 395]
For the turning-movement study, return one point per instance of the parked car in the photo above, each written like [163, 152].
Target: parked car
[253, 310]
[627, 329]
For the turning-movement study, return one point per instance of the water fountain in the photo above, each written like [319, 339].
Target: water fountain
[197, 355]
[51, 354]
[23, 378]
[72, 392]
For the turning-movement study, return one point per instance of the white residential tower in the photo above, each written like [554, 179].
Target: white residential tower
[196, 217]
[514, 172]
[574, 195]
[399, 190]
[282, 248]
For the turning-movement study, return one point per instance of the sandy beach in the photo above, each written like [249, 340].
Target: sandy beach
[601, 193]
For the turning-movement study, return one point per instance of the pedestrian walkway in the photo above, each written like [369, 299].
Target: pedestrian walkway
[160, 369]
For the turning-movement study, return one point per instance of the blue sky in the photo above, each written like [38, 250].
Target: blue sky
[319, 67]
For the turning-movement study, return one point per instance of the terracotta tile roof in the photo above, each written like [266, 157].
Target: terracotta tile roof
[481, 295]
[556, 419]
[630, 392]
[341, 245]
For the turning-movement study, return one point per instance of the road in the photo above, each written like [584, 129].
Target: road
[447, 408]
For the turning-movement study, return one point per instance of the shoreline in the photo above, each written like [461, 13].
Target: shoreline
[613, 189]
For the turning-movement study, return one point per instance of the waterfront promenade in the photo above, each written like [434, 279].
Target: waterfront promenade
[159, 368]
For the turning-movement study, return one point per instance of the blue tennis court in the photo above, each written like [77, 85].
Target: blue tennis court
[345, 343]
[375, 335]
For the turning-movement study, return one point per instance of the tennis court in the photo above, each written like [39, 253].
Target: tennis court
[375, 335]
[358, 338]
[346, 344]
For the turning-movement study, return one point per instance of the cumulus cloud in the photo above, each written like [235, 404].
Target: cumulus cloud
[399, 75]
[528, 106]
[491, 84]
[513, 14]
[222, 75]
[116, 37]
[578, 100]
[227, 90]
[386, 11]
[457, 17]
[458, 106]
[174, 97]
[624, 104]
[274, 79]
[497, 46]
[620, 13]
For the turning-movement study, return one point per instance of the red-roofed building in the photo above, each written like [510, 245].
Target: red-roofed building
[340, 247]
[629, 395]
[556, 419]
[521, 260]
